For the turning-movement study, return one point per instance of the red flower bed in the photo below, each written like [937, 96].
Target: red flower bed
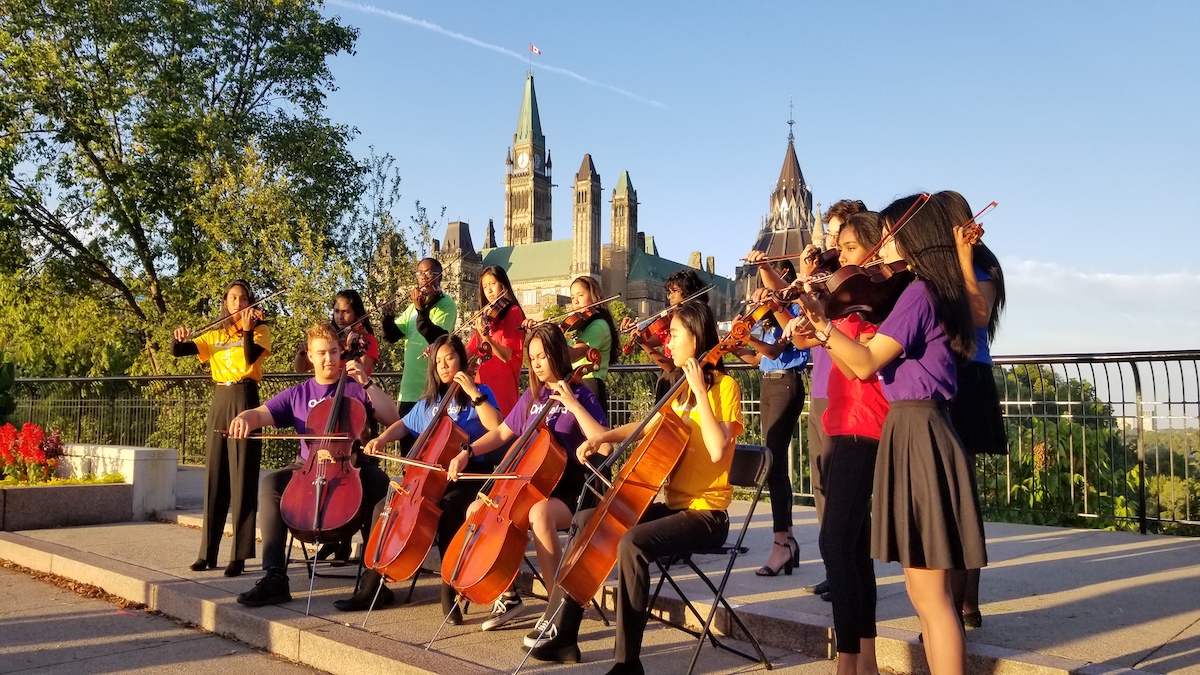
[28, 456]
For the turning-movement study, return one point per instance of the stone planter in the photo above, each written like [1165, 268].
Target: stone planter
[38, 507]
[150, 471]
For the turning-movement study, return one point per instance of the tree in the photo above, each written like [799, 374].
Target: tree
[119, 119]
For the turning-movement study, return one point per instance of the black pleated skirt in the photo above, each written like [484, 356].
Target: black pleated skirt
[976, 413]
[926, 512]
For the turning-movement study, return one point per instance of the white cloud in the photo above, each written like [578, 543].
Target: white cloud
[1056, 309]
[421, 23]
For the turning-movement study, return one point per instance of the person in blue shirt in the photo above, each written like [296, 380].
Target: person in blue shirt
[781, 366]
[473, 409]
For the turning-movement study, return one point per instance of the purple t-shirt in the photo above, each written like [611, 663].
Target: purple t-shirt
[560, 421]
[821, 363]
[289, 408]
[925, 368]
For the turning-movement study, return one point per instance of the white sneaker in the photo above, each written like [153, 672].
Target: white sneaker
[542, 633]
[506, 609]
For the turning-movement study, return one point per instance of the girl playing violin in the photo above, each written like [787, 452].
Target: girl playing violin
[925, 512]
[235, 351]
[348, 308]
[680, 285]
[975, 409]
[693, 516]
[501, 332]
[594, 330]
[474, 410]
[575, 416]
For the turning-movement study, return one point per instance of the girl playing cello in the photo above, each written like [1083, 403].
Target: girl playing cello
[235, 351]
[697, 495]
[575, 415]
[474, 410]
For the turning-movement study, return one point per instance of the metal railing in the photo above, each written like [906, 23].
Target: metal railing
[1102, 440]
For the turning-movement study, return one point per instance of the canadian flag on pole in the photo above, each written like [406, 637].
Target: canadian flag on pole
[533, 49]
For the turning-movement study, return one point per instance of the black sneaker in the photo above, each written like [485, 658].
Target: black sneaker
[506, 608]
[543, 632]
[272, 589]
[366, 595]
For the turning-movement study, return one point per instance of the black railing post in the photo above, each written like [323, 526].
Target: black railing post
[1141, 448]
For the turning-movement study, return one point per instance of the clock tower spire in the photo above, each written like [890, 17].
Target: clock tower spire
[527, 212]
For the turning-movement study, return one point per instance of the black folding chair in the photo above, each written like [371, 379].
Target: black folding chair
[751, 463]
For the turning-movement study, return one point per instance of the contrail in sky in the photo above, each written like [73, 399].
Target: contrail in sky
[420, 23]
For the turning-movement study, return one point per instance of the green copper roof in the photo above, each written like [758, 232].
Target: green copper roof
[530, 262]
[529, 124]
[624, 186]
[650, 267]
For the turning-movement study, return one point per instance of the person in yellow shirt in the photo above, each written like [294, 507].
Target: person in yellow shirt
[234, 351]
[693, 516]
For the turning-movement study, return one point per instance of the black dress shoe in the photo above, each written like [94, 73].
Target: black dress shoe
[827, 596]
[362, 599]
[235, 568]
[272, 589]
[820, 589]
[201, 564]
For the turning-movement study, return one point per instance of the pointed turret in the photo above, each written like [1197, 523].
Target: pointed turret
[585, 250]
[489, 238]
[587, 169]
[529, 124]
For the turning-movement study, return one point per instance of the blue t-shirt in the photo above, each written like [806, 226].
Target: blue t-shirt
[983, 354]
[466, 417]
[290, 407]
[791, 356]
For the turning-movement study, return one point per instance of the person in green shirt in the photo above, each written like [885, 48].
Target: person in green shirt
[431, 315]
[597, 332]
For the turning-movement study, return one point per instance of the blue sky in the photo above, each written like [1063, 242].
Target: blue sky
[1078, 118]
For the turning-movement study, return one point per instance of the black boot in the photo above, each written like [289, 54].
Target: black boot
[564, 646]
[634, 668]
[272, 589]
[371, 582]
[450, 607]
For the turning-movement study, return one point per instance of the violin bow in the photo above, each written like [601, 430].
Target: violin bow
[441, 469]
[200, 331]
[293, 437]
[560, 319]
[974, 235]
[644, 323]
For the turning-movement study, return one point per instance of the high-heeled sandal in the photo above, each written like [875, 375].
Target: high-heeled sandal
[795, 546]
[766, 571]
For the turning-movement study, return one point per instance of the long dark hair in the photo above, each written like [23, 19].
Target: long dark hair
[982, 256]
[498, 273]
[434, 388]
[602, 313]
[555, 346]
[226, 320]
[356, 305]
[927, 244]
[868, 229]
[697, 319]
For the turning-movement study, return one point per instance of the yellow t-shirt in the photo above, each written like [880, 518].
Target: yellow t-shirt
[698, 483]
[224, 347]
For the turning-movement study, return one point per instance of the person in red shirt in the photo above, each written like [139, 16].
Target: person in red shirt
[503, 335]
[348, 308]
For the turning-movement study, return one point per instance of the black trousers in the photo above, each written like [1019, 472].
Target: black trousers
[846, 538]
[230, 474]
[782, 400]
[818, 452]
[600, 389]
[274, 531]
[660, 532]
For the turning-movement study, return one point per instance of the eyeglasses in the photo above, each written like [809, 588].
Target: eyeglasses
[427, 274]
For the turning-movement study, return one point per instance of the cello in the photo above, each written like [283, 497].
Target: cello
[404, 532]
[485, 555]
[658, 445]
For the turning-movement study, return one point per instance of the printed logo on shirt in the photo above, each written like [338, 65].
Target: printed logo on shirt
[312, 402]
[557, 410]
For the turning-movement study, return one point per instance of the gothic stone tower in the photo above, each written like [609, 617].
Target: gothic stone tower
[585, 250]
[527, 178]
[624, 233]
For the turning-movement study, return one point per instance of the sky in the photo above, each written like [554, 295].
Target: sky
[1079, 119]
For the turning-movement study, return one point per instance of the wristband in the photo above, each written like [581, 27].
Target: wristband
[368, 384]
[479, 400]
[466, 447]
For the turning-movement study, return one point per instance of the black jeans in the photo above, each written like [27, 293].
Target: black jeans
[231, 474]
[782, 400]
[274, 531]
[846, 538]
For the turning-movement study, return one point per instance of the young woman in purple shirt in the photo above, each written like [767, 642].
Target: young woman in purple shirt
[925, 512]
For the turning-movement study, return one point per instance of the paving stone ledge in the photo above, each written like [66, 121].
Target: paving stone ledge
[343, 650]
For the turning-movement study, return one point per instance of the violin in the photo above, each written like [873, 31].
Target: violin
[644, 331]
[592, 555]
[323, 498]
[401, 537]
[870, 290]
[494, 312]
[235, 319]
[485, 556]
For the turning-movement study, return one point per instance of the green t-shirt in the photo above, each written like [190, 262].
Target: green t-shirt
[596, 335]
[443, 313]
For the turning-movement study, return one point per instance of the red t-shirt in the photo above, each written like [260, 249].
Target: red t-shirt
[503, 377]
[856, 407]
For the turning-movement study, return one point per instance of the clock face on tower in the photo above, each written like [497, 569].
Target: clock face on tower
[523, 160]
